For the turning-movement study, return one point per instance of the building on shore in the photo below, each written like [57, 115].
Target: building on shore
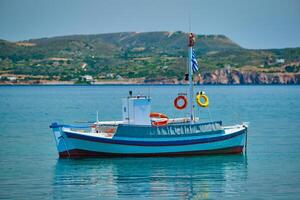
[87, 78]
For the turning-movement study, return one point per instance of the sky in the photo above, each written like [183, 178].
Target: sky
[253, 24]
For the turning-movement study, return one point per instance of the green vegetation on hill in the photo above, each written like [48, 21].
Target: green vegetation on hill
[130, 55]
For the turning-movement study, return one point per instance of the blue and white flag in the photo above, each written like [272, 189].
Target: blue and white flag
[194, 62]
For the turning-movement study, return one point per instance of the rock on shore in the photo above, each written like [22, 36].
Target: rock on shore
[225, 76]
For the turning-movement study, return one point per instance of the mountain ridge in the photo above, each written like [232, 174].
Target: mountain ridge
[148, 55]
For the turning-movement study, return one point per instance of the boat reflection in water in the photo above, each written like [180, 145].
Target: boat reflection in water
[193, 177]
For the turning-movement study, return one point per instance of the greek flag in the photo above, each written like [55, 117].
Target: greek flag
[194, 62]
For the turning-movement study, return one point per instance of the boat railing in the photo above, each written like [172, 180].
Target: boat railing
[174, 130]
[56, 125]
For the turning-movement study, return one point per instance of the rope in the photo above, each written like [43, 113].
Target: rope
[66, 145]
[210, 118]
[209, 114]
[246, 141]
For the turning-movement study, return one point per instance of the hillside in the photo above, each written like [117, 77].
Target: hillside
[146, 57]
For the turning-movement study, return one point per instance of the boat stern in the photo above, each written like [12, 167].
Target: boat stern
[239, 128]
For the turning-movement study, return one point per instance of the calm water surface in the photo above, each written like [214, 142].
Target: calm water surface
[30, 168]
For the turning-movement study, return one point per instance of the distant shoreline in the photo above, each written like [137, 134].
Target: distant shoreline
[141, 84]
[128, 83]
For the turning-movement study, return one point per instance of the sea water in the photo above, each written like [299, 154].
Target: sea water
[30, 167]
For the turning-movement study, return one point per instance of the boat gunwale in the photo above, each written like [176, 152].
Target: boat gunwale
[56, 125]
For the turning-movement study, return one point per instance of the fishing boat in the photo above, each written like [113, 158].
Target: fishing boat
[142, 132]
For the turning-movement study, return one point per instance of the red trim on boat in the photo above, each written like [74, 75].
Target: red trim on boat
[78, 153]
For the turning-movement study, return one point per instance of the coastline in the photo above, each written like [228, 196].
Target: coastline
[217, 77]
[122, 83]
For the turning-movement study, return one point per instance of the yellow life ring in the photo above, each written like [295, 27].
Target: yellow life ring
[206, 100]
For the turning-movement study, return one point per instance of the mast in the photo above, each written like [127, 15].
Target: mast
[191, 84]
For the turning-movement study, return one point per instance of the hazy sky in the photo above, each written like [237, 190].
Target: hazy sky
[251, 23]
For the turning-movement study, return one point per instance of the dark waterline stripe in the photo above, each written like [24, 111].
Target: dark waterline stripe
[79, 153]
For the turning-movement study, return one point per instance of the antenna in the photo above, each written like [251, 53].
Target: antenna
[190, 18]
[190, 23]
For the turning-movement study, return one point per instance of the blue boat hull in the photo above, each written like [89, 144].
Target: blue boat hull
[73, 144]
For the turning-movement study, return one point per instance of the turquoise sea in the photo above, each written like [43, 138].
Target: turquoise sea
[30, 168]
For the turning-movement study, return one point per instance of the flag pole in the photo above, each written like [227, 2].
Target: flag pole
[191, 84]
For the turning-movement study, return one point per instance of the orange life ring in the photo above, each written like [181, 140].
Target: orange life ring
[164, 119]
[181, 97]
[110, 130]
[160, 123]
